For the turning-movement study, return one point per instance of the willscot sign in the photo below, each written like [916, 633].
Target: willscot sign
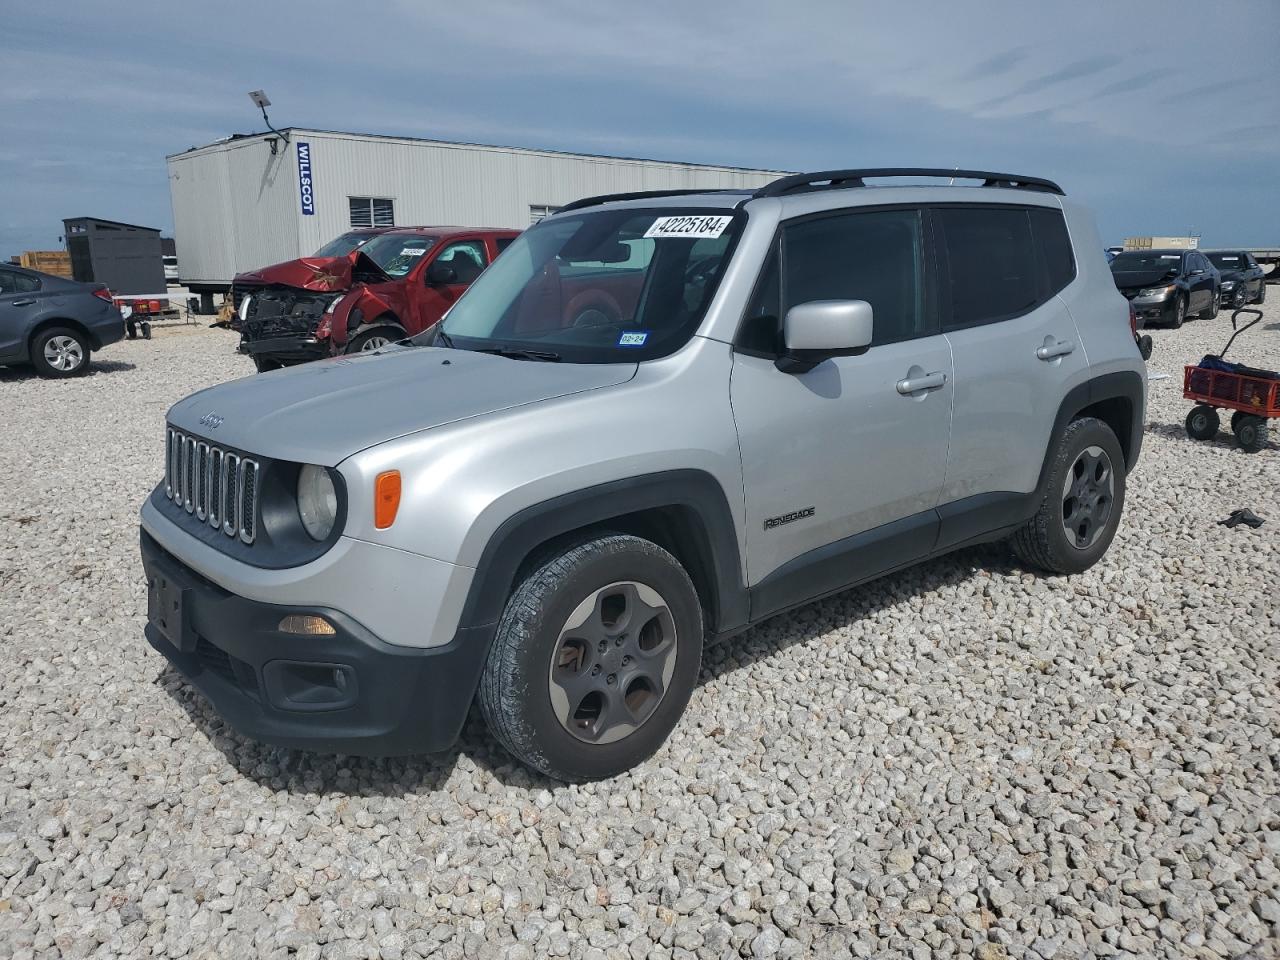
[306, 186]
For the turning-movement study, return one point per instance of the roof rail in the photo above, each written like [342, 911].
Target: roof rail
[638, 195]
[837, 179]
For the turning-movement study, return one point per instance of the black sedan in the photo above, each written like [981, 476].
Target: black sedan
[1167, 286]
[1242, 278]
[54, 324]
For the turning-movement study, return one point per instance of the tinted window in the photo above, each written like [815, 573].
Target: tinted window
[876, 256]
[763, 321]
[14, 282]
[992, 263]
[503, 243]
[1054, 245]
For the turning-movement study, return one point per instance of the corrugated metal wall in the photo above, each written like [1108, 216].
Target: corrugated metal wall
[236, 207]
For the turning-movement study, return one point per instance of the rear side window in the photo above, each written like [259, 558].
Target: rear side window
[992, 264]
[1054, 245]
[876, 256]
[13, 282]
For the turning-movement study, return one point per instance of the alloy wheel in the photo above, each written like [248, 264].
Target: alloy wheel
[1088, 497]
[374, 343]
[63, 353]
[612, 662]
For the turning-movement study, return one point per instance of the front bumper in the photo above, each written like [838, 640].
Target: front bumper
[295, 349]
[349, 692]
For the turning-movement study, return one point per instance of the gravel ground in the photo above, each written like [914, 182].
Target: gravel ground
[961, 760]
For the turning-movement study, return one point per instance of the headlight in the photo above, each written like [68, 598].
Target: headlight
[333, 304]
[244, 308]
[317, 501]
[1156, 292]
[1228, 284]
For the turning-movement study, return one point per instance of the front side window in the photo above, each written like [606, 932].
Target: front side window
[372, 212]
[466, 258]
[604, 286]
[397, 253]
[991, 263]
[876, 256]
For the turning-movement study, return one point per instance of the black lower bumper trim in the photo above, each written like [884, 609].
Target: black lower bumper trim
[287, 349]
[400, 700]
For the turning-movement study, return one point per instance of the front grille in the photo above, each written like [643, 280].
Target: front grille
[216, 486]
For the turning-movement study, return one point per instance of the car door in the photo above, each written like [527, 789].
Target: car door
[445, 278]
[1015, 346]
[1202, 283]
[19, 302]
[842, 464]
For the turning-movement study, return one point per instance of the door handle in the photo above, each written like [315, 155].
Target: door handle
[930, 381]
[22, 303]
[1052, 349]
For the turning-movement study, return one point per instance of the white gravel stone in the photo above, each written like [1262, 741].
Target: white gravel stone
[961, 760]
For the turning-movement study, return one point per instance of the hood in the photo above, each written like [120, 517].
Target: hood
[1125, 279]
[323, 274]
[324, 412]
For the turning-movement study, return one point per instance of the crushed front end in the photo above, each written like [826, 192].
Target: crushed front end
[281, 326]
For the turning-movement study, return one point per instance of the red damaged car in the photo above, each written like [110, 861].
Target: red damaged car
[392, 286]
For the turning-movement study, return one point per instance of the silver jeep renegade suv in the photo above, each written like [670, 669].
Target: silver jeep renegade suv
[656, 420]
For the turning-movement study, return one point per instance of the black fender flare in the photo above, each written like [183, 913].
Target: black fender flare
[1126, 385]
[707, 527]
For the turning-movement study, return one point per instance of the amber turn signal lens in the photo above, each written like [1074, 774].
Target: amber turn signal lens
[386, 499]
[307, 626]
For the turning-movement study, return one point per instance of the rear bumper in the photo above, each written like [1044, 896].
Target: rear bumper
[348, 692]
[298, 349]
[109, 328]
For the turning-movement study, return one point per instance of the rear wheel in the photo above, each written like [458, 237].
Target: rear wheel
[595, 657]
[1251, 433]
[1084, 496]
[1203, 423]
[59, 352]
[1262, 293]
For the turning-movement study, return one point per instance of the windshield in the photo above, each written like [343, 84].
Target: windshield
[1227, 261]
[609, 286]
[1146, 261]
[397, 253]
[341, 246]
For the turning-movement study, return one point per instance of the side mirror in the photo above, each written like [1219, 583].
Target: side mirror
[440, 272]
[820, 329]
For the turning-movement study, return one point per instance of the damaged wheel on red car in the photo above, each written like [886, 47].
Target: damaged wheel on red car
[374, 339]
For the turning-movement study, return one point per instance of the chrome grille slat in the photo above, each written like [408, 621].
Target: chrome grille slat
[215, 485]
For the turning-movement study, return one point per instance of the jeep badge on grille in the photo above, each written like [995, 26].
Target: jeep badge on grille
[211, 420]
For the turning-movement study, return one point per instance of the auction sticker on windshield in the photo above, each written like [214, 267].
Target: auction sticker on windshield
[697, 228]
[413, 251]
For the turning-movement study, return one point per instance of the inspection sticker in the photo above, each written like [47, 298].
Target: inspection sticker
[697, 228]
[631, 338]
[413, 251]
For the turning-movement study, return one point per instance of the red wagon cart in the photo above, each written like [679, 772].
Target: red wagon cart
[1253, 395]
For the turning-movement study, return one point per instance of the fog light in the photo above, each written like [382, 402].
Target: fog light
[307, 626]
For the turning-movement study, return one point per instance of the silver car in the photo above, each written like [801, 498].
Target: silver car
[656, 420]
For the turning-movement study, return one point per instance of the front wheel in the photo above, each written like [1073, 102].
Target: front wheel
[1211, 312]
[595, 658]
[374, 339]
[1202, 422]
[1179, 312]
[60, 352]
[1083, 499]
[1262, 293]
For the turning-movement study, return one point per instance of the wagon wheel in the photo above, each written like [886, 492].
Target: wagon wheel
[1251, 433]
[1202, 422]
[1236, 417]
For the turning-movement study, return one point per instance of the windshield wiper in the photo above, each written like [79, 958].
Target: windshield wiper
[443, 338]
[519, 353]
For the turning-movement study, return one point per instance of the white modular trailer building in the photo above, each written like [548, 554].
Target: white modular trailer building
[250, 201]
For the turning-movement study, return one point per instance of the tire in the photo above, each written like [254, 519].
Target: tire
[60, 352]
[266, 364]
[1211, 312]
[530, 713]
[1179, 312]
[1262, 293]
[1236, 417]
[1084, 489]
[373, 339]
[1203, 422]
[1251, 433]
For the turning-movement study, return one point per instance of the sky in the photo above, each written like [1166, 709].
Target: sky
[1164, 117]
